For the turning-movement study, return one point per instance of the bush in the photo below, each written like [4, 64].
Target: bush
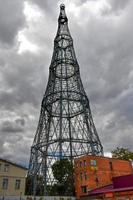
[29, 198]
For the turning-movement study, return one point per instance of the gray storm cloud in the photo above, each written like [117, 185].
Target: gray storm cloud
[11, 20]
[103, 43]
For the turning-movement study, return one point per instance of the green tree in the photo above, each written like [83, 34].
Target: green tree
[122, 153]
[29, 186]
[63, 173]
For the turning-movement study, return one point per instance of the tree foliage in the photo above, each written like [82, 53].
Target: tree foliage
[63, 174]
[29, 186]
[122, 153]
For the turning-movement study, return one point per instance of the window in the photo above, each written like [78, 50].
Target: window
[97, 181]
[5, 184]
[85, 175]
[84, 189]
[81, 176]
[80, 163]
[111, 166]
[6, 167]
[93, 163]
[17, 184]
[84, 162]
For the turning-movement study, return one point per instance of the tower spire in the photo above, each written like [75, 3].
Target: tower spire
[63, 29]
[66, 128]
[62, 17]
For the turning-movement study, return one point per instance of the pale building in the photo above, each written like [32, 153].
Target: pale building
[12, 178]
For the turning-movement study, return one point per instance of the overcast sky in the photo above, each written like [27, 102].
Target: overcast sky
[103, 40]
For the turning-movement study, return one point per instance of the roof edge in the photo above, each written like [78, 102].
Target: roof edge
[13, 163]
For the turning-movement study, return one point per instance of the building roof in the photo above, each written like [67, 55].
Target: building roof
[123, 181]
[120, 183]
[108, 189]
[101, 190]
[13, 163]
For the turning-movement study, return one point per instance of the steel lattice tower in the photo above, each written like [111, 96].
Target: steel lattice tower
[66, 128]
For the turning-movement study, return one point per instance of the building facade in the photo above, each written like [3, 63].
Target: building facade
[97, 171]
[12, 178]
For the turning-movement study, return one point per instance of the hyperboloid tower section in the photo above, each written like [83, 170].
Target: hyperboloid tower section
[66, 128]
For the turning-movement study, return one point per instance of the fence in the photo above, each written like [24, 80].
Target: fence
[37, 198]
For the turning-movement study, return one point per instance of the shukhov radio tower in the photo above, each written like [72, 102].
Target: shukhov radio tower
[66, 128]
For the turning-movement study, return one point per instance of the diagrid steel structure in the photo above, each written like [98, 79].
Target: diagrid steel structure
[66, 128]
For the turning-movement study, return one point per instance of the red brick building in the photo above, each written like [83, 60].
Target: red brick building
[97, 171]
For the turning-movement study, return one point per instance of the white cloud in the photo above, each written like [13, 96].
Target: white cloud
[25, 44]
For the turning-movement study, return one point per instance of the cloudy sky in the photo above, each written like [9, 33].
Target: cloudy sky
[103, 39]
